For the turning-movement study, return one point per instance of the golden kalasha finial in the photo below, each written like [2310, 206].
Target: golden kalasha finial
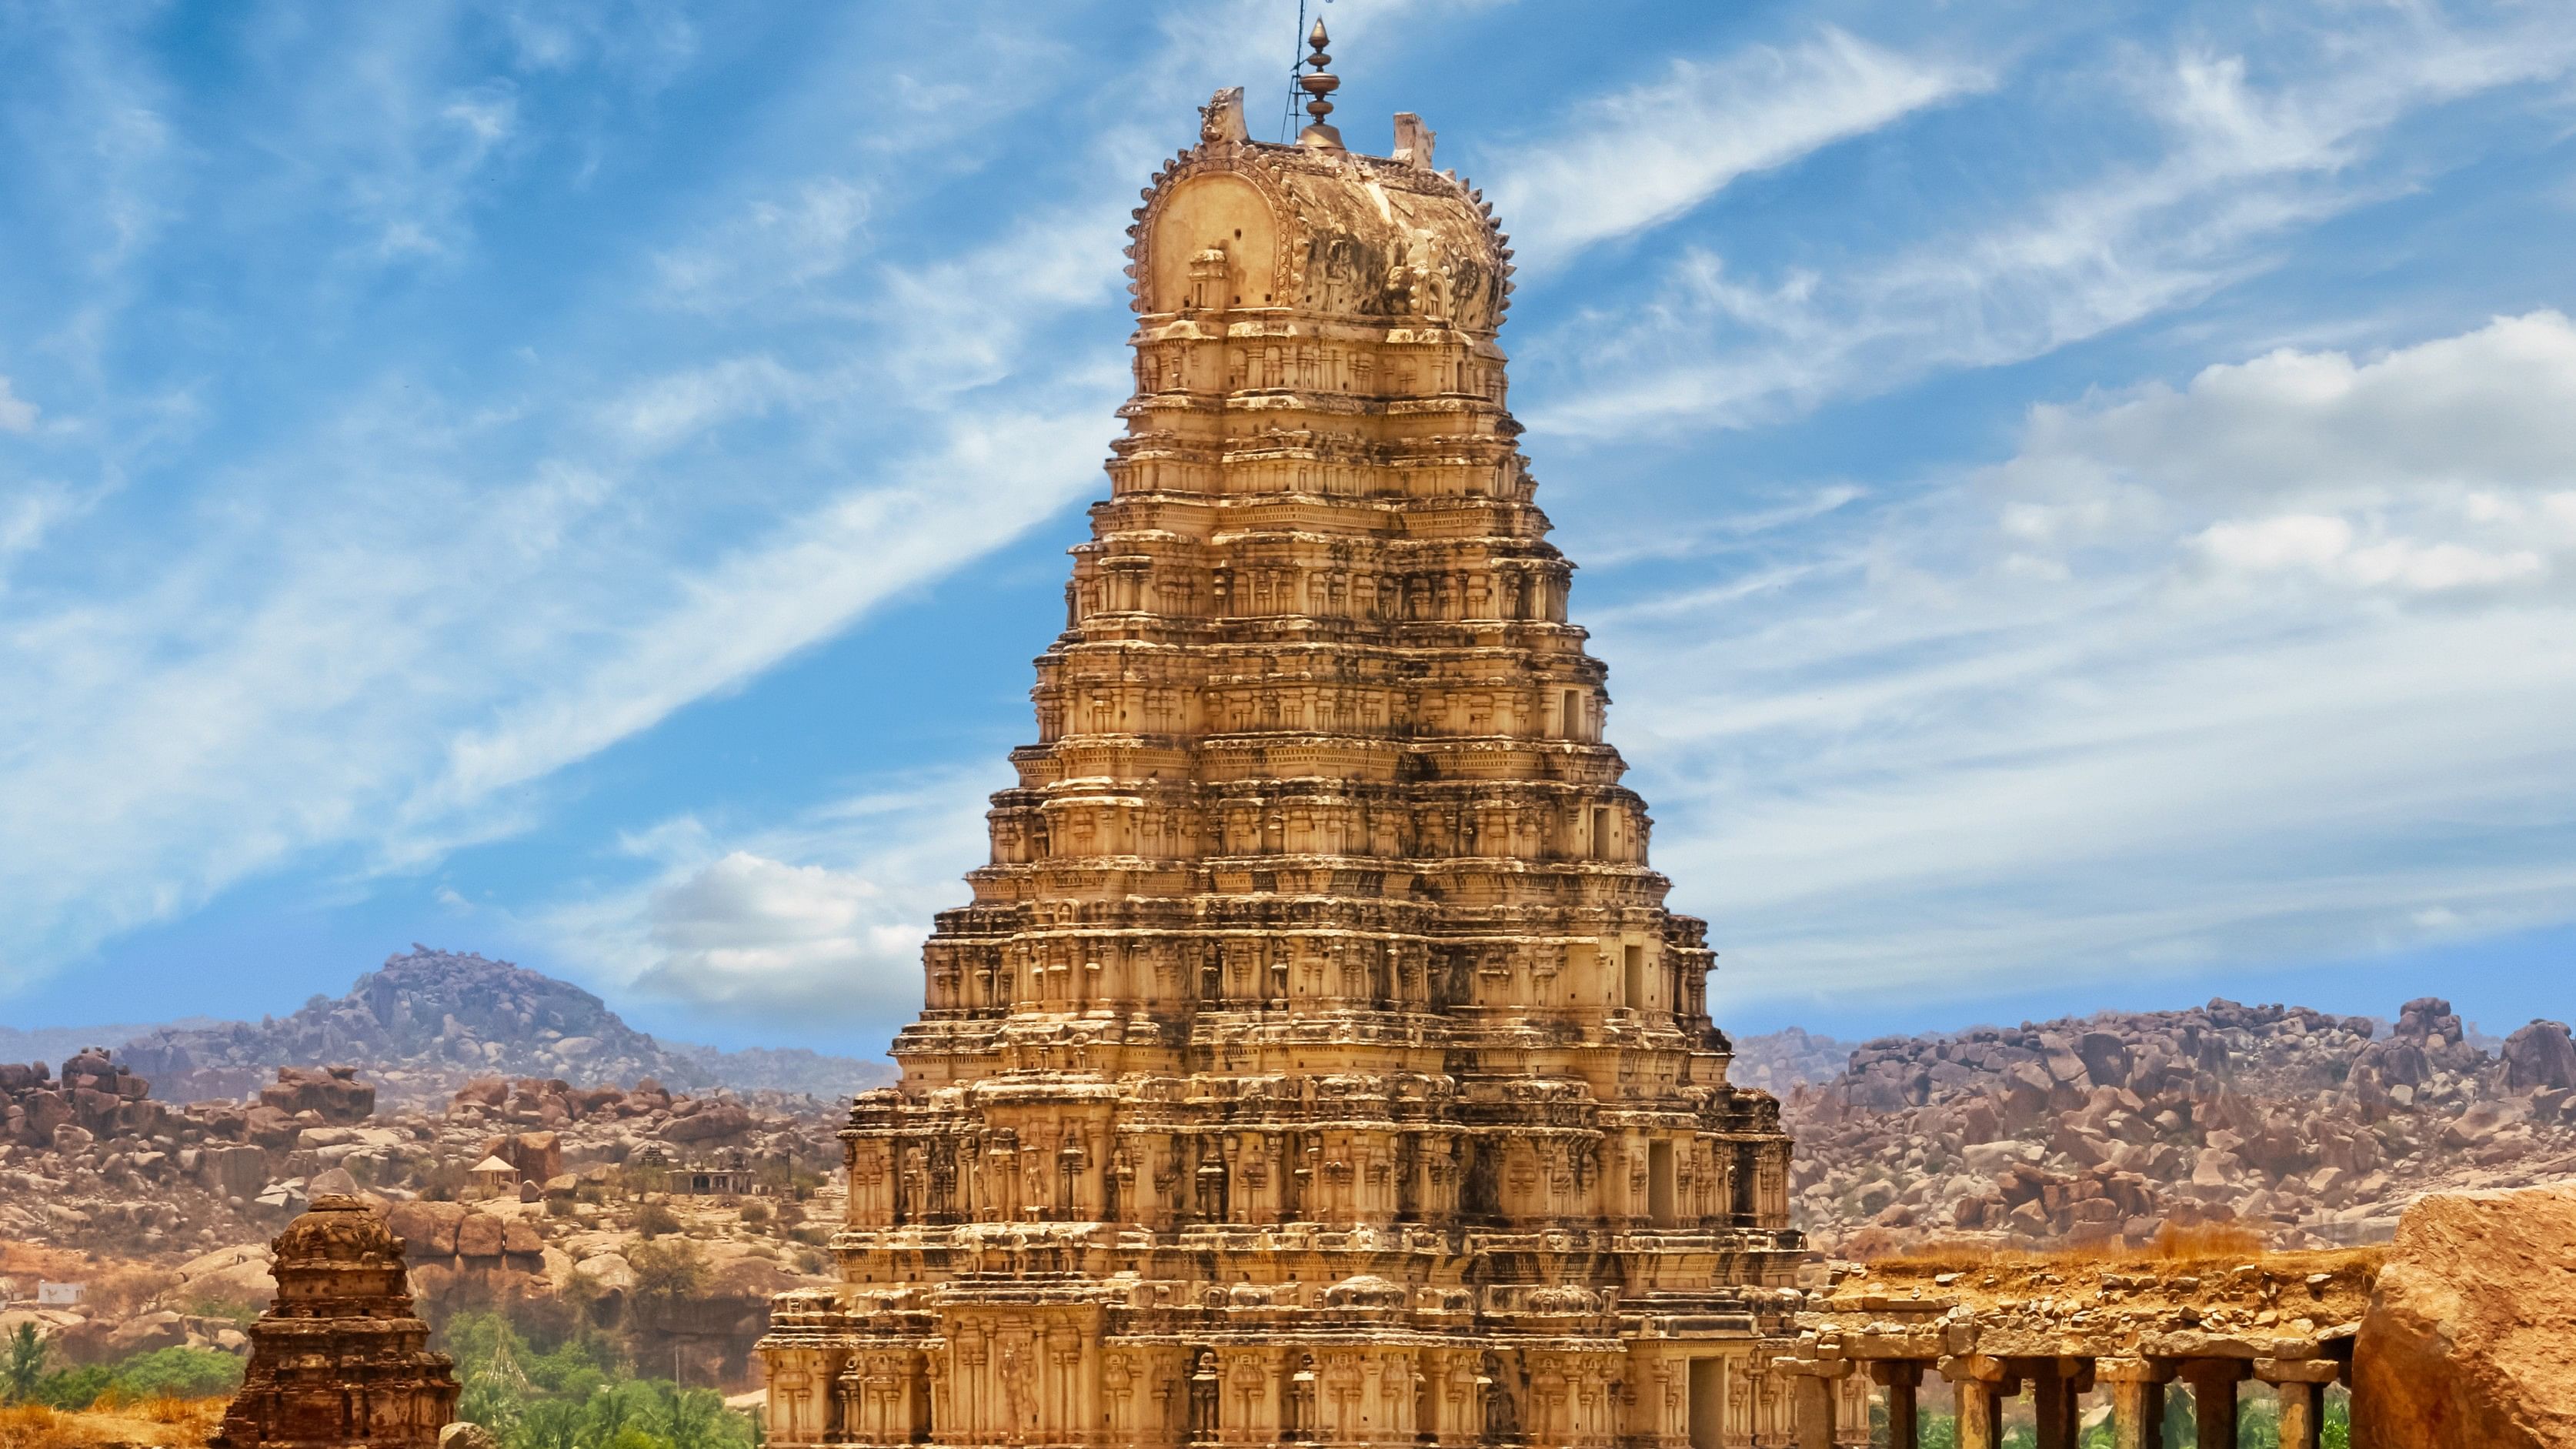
[1317, 86]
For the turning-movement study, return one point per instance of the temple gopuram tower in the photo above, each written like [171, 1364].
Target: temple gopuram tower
[1317, 1060]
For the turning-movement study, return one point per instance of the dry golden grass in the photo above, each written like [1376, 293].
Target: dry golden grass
[166, 1422]
[2205, 1242]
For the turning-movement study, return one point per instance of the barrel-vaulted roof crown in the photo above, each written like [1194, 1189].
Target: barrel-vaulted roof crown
[337, 1231]
[1235, 225]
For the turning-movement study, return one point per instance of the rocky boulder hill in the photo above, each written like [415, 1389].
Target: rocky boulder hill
[2315, 1129]
[420, 1027]
[91, 1160]
[430, 1021]
[1780, 1062]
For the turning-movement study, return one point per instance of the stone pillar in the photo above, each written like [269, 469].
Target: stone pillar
[1811, 1398]
[2137, 1400]
[2057, 1387]
[2213, 1397]
[1903, 1380]
[1983, 1384]
[2301, 1384]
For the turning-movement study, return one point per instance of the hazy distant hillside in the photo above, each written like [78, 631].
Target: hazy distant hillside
[791, 1069]
[428, 1021]
[1777, 1061]
[55, 1043]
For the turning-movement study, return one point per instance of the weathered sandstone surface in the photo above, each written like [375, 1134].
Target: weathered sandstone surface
[340, 1357]
[2470, 1337]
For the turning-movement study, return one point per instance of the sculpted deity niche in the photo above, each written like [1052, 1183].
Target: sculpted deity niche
[1316, 1057]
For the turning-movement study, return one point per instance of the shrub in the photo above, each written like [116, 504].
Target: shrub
[177, 1373]
[653, 1219]
[668, 1272]
[231, 1310]
[444, 1180]
[75, 1388]
[755, 1213]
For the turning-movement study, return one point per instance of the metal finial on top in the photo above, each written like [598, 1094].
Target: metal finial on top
[1317, 86]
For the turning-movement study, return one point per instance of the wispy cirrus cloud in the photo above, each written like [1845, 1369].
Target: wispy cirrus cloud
[17, 415]
[2245, 165]
[1637, 158]
[424, 594]
[434, 401]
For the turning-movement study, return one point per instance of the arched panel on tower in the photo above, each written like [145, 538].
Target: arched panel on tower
[1215, 245]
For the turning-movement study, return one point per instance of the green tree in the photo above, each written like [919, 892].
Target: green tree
[178, 1373]
[75, 1388]
[24, 1368]
[550, 1424]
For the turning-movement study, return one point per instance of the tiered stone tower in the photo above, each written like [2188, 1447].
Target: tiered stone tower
[340, 1359]
[1317, 1060]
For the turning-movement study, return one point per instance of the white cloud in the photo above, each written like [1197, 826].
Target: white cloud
[772, 246]
[821, 918]
[2243, 166]
[747, 924]
[1638, 158]
[2442, 466]
[663, 412]
[2113, 707]
[422, 603]
[17, 415]
[764, 603]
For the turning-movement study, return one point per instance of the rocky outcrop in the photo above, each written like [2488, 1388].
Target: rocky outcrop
[421, 1025]
[95, 1097]
[2470, 1338]
[160, 1181]
[2311, 1128]
[333, 1094]
[428, 1021]
[2540, 1057]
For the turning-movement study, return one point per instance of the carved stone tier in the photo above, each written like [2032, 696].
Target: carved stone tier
[1317, 1059]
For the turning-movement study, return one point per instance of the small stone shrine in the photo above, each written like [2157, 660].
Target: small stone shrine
[340, 1359]
[1317, 1060]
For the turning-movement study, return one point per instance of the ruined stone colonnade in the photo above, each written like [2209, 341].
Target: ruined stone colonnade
[2059, 1329]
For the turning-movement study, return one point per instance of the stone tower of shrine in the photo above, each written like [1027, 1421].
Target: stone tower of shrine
[1316, 1060]
[340, 1359]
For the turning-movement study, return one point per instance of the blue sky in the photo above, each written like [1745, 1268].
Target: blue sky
[2079, 502]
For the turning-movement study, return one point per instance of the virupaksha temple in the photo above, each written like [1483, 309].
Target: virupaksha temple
[1317, 1060]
